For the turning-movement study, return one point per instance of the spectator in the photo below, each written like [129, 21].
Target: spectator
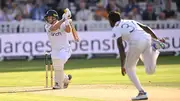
[16, 10]
[7, 14]
[159, 5]
[149, 13]
[18, 17]
[100, 12]
[87, 10]
[84, 14]
[1, 14]
[73, 8]
[8, 3]
[169, 13]
[51, 4]
[38, 11]
[62, 4]
[131, 6]
[134, 15]
[162, 16]
[8, 9]
[121, 3]
[92, 2]
[112, 6]
[28, 6]
[178, 4]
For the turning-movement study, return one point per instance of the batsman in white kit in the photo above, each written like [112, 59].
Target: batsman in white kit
[142, 43]
[57, 31]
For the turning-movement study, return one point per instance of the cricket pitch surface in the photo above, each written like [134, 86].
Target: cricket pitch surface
[102, 92]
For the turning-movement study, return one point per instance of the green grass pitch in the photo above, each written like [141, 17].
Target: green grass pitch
[95, 71]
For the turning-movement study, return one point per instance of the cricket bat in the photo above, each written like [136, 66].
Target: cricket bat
[74, 32]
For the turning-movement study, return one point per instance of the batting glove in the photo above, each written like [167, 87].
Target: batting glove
[67, 14]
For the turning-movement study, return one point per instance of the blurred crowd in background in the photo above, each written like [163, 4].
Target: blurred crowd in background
[83, 10]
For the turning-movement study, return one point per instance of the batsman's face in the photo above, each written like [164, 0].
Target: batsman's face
[50, 19]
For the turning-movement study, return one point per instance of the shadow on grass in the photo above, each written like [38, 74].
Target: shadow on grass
[38, 65]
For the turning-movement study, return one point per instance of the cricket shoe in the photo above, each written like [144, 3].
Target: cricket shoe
[66, 84]
[141, 96]
[56, 86]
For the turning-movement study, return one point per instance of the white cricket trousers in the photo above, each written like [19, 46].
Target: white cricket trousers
[59, 58]
[140, 48]
[63, 54]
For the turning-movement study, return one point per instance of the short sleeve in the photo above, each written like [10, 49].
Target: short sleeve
[117, 32]
[47, 27]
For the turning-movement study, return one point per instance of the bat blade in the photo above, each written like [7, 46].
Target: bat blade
[74, 32]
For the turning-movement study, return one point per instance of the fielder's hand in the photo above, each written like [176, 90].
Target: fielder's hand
[65, 16]
[123, 71]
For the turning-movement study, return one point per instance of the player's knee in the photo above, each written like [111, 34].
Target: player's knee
[58, 64]
[150, 71]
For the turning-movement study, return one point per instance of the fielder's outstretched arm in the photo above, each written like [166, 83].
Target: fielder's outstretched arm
[122, 54]
[148, 30]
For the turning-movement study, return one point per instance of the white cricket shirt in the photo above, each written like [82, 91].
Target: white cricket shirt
[58, 38]
[129, 30]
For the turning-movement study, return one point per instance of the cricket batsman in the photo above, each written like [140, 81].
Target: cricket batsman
[142, 43]
[58, 31]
